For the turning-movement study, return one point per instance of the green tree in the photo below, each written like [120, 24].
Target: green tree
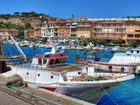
[102, 42]
[116, 42]
[25, 14]
[33, 13]
[132, 43]
[28, 26]
[16, 13]
[6, 16]
[20, 34]
[44, 40]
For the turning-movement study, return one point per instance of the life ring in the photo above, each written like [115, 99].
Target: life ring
[122, 69]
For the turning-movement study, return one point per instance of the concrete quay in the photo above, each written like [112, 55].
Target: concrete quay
[31, 96]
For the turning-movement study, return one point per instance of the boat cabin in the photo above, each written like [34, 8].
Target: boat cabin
[49, 59]
[135, 51]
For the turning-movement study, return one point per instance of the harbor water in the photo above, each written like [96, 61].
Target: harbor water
[127, 93]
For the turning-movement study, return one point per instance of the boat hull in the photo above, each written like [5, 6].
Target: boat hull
[69, 88]
[111, 67]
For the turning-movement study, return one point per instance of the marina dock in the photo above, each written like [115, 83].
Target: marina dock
[31, 96]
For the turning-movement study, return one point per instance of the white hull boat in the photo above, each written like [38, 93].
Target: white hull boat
[51, 72]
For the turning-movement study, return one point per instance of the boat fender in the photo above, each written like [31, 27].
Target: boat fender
[122, 69]
[134, 68]
[110, 68]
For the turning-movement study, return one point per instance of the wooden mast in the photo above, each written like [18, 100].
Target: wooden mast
[1, 46]
[1, 54]
[3, 66]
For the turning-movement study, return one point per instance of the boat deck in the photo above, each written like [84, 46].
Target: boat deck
[62, 68]
[54, 68]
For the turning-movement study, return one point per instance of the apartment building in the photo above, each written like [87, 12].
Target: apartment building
[47, 31]
[125, 29]
[58, 27]
[84, 29]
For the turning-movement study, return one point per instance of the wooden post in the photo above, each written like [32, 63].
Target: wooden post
[1, 54]
[1, 47]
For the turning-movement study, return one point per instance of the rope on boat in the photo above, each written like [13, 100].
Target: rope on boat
[108, 94]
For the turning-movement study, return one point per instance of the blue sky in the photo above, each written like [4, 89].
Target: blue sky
[65, 8]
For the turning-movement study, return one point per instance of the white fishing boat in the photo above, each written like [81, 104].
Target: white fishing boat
[50, 71]
[120, 62]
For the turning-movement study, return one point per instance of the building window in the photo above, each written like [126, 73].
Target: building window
[137, 30]
[137, 35]
[130, 35]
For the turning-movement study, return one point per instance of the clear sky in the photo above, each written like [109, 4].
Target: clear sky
[65, 8]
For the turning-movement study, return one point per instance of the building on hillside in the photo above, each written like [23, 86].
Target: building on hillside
[13, 32]
[29, 33]
[16, 20]
[36, 22]
[3, 20]
[47, 31]
[4, 35]
[37, 32]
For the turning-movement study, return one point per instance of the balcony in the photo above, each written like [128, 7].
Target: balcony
[73, 33]
[101, 32]
[83, 26]
[109, 37]
[109, 26]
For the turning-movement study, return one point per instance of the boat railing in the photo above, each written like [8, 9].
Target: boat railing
[31, 67]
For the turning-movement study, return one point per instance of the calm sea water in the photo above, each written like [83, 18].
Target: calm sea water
[127, 93]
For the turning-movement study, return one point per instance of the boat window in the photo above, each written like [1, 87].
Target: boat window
[40, 61]
[44, 61]
[64, 60]
[38, 75]
[58, 60]
[79, 72]
[51, 61]
[131, 51]
[51, 76]
[137, 51]
[27, 73]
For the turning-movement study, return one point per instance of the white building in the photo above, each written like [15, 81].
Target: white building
[47, 31]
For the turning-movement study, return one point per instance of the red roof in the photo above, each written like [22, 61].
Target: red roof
[39, 56]
[57, 55]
